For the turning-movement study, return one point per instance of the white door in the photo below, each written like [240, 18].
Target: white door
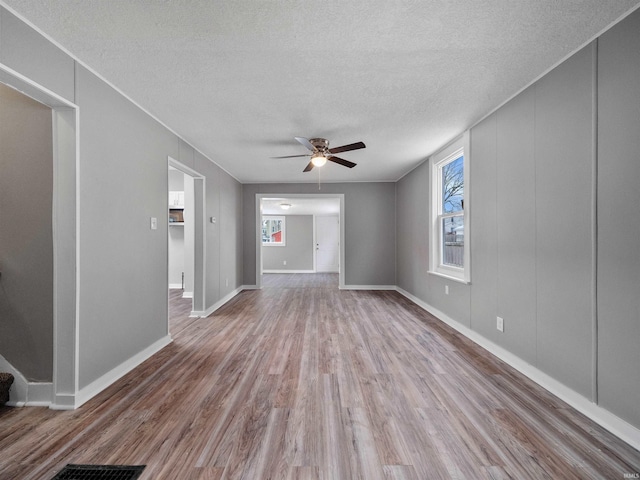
[327, 244]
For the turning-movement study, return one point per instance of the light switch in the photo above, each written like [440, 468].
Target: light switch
[154, 223]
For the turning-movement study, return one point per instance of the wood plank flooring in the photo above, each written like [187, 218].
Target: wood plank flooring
[300, 380]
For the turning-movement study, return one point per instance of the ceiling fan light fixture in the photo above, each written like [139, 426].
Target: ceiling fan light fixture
[318, 160]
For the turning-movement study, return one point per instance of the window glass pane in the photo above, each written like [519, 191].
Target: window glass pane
[453, 241]
[453, 186]
[272, 231]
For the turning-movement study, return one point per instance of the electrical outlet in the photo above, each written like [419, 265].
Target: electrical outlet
[154, 223]
[284, 262]
[226, 282]
[500, 324]
[446, 289]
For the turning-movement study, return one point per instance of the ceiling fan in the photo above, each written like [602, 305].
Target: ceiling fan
[320, 152]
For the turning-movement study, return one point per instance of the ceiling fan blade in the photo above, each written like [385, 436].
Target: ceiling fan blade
[306, 143]
[293, 156]
[342, 161]
[308, 168]
[346, 148]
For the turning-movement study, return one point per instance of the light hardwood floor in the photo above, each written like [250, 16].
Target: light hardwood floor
[302, 380]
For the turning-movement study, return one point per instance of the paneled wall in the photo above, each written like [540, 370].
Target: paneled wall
[555, 226]
[619, 219]
[531, 239]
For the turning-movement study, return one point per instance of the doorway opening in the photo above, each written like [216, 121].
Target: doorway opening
[60, 391]
[185, 236]
[300, 233]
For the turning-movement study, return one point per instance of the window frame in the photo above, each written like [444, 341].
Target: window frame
[283, 242]
[457, 148]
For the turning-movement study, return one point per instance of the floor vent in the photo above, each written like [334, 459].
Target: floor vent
[99, 472]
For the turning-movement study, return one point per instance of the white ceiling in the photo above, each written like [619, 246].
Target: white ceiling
[238, 79]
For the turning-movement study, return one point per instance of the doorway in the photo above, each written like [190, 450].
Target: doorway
[61, 392]
[299, 204]
[185, 236]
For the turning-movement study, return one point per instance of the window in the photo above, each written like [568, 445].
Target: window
[273, 231]
[449, 214]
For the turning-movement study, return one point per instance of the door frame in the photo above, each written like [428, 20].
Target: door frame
[62, 393]
[258, 239]
[199, 247]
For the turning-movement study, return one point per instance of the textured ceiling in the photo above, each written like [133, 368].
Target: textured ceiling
[238, 79]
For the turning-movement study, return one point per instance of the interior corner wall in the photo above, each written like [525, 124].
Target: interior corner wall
[536, 255]
[297, 250]
[369, 220]
[26, 239]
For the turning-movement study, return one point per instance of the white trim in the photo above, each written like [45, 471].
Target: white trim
[448, 277]
[175, 286]
[199, 186]
[288, 271]
[39, 394]
[66, 159]
[283, 224]
[623, 430]
[368, 287]
[24, 393]
[258, 240]
[218, 304]
[460, 146]
[94, 388]
[249, 287]
[31, 89]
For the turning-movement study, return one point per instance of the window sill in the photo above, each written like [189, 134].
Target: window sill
[449, 277]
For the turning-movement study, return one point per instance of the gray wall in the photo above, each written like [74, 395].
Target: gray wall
[369, 218]
[122, 294]
[533, 237]
[298, 248]
[26, 242]
[123, 277]
[619, 219]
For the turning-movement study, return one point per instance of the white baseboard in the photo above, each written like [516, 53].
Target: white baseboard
[368, 287]
[24, 393]
[602, 417]
[249, 287]
[175, 286]
[187, 294]
[288, 271]
[86, 393]
[218, 304]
